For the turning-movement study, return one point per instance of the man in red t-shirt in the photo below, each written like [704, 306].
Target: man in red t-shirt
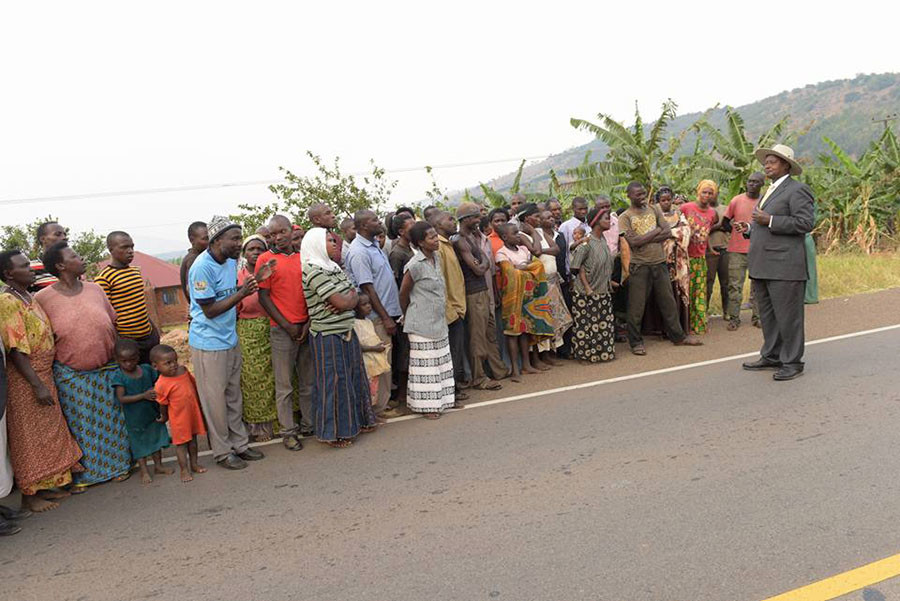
[738, 216]
[281, 295]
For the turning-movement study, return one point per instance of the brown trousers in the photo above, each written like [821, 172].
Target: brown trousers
[483, 345]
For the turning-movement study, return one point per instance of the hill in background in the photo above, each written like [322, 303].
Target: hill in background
[842, 109]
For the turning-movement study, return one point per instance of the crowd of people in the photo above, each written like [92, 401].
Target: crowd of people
[330, 331]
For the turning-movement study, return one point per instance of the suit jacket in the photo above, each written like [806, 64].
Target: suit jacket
[779, 252]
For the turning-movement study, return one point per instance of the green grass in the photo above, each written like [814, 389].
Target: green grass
[844, 274]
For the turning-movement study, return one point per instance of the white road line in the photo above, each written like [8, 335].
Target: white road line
[643, 374]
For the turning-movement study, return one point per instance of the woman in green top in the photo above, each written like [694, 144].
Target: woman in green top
[594, 330]
[342, 405]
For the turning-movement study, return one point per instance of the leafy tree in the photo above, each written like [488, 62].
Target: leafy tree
[634, 153]
[345, 194]
[91, 246]
[732, 161]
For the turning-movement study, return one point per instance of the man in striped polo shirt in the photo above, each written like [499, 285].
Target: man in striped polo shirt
[124, 285]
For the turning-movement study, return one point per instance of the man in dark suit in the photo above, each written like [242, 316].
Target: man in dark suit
[777, 262]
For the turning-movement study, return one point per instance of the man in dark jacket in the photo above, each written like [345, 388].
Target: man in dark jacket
[777, 262]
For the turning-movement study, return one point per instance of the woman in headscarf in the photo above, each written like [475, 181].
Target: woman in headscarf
[701, 218]
[342, 404]
[257, 376]
[42, 449]
[84, 325]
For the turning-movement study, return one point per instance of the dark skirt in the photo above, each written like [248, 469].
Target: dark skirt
[594, 332]
[342, 404]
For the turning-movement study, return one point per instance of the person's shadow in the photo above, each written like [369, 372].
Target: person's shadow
[870, 594]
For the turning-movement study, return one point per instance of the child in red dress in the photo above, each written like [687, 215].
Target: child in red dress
[179, 404]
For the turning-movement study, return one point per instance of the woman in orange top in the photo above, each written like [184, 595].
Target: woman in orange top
[179, 404]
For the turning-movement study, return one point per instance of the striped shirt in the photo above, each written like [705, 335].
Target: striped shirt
[42, 278]
[318, 285]
[125, 288]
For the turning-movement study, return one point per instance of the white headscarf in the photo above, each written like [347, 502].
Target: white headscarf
[314, 250]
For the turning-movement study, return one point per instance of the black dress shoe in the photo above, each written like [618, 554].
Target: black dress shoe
[787, 373]
[761, 364]
[8, 528]
[251, 455]
[11, 514]
[232, 462]
[307, 433]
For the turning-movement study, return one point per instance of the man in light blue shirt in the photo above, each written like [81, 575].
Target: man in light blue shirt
[371, 272]
[212, 283]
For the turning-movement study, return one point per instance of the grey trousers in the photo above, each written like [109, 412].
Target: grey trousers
[218, 375]
[781, 316]
[483, 346]
[289, 357]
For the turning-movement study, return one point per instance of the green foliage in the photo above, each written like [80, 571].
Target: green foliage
[91, 246]
[345, 194]
[858, 200]
[634, 153]
[514, 189]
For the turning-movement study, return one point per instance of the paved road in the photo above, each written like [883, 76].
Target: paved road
[709, 483]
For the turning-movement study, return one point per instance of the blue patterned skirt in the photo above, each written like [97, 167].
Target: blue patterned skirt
[96, 420]
[342, 403]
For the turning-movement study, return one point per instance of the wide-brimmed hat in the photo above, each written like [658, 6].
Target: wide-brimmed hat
[218, 225]
[782, 152]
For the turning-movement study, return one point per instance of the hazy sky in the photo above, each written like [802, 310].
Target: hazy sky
[115, 96]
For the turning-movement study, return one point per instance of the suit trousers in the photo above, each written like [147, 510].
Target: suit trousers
[290, 358]
[781, 315]
[644, 281]
[456, 332]
[483, 347]
[218, 376]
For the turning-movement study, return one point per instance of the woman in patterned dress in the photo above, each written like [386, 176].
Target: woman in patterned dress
[594, 335]
[257, 376]
[84, 326]
[42, 450]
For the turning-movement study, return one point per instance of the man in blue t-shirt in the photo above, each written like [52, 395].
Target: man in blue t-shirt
[212, 283]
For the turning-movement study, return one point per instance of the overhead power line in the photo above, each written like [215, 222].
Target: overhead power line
[245, 184]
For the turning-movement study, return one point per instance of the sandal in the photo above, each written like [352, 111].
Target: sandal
[340, 443]
[732, 326]
[367, 429]
[639, 350]
[489, 385]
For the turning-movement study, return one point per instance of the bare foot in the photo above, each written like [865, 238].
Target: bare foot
[541, 366]
[529, 370]
[37, 504]
[198, 469]
[516, 378]
[145, 477]
[549, 361]
[165, 471]
[53, 495]
[186, 476]
[431, 415]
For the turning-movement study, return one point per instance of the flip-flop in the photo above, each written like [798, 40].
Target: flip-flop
[639, 350]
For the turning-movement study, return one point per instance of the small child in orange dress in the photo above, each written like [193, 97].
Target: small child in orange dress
[179, 404]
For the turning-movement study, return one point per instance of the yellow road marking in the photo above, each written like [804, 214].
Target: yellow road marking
[847, 582]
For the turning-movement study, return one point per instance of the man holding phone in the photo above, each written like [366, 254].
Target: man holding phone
[738, 215]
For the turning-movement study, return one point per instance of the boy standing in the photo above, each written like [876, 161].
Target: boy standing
[124, 286]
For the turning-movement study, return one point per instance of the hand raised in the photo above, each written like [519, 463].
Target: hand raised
[265, 271]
